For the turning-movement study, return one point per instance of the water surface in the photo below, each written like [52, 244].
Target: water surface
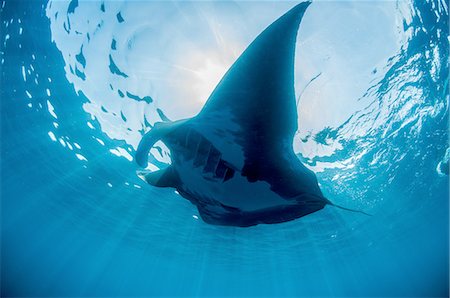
[82, 81]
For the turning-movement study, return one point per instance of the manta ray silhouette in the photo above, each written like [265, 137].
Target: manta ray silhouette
[235, 159]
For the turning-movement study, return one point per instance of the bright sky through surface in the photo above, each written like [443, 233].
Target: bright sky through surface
[176, 52]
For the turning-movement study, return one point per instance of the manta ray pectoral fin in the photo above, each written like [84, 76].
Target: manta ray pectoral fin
[167, 177]
[252, 114]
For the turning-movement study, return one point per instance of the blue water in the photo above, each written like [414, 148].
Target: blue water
[76, 220]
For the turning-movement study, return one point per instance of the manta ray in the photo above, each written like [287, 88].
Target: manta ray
[235, 160]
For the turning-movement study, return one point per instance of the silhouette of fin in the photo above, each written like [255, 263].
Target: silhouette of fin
[258, 89]
[251, 116]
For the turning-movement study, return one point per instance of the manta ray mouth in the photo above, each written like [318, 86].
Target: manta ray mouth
[142, 173]
[151, 168]
[155, 175]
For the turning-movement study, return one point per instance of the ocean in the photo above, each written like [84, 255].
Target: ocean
[82, 81]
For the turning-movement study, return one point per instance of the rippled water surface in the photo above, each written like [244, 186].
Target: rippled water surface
[82, 81]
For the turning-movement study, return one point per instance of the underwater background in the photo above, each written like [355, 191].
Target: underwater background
[81, 81]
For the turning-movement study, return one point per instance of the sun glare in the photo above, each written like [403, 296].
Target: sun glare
[208, 75]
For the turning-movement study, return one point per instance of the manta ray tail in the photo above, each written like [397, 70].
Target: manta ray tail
[349, 209]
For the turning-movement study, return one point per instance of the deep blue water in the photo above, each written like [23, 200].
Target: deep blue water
[77, 221]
